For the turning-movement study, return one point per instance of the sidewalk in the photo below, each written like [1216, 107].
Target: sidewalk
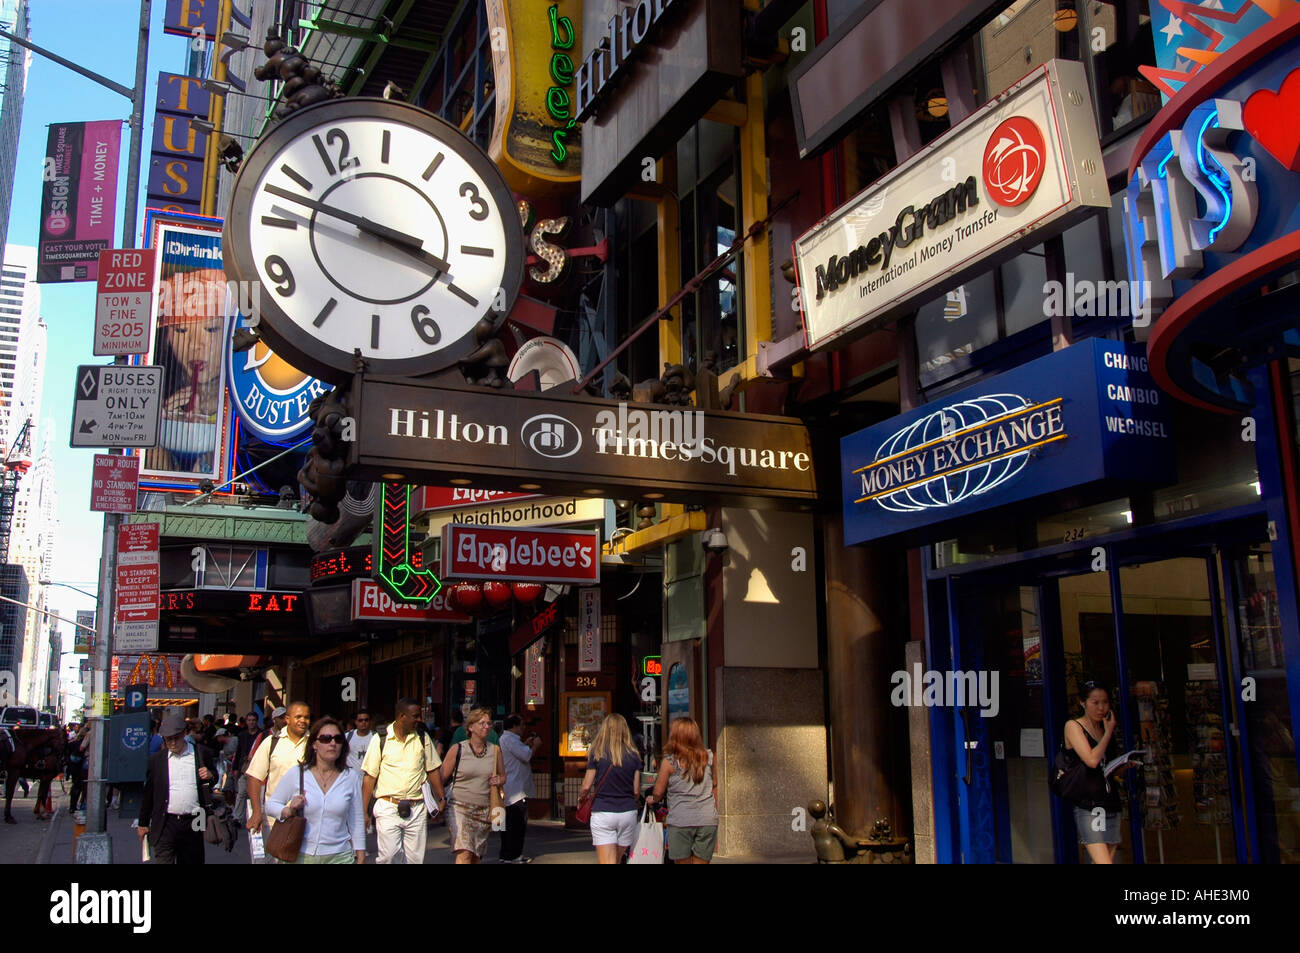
[547, 842]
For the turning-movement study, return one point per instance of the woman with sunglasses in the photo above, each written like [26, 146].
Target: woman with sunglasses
[330, 799]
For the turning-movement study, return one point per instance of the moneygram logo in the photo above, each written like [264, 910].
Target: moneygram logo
[1014, 160]
[550, 435]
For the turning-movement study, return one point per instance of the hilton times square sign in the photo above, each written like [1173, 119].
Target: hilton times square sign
[558, 443]
[1022, 168]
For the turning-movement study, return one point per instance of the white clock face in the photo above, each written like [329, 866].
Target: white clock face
[375, 234]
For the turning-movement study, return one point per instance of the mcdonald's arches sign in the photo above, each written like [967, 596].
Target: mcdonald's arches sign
[161, 673]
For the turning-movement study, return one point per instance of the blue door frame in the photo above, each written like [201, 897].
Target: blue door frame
[968, 830]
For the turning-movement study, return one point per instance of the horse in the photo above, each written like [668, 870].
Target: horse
[33, 753]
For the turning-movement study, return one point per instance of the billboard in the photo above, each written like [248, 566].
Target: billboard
[191, 344]
[78, 199]
[178, 148]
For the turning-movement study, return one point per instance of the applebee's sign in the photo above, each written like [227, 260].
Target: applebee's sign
[1019, 170]
[531, 555]
[370, 603]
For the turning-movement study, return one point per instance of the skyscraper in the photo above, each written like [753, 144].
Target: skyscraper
[22, 346]
[35, 530]
[13, 621]
[14, 61]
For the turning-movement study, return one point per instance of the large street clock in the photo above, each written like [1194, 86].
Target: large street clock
[373, 226]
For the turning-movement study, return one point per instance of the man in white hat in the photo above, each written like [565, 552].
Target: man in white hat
[177, 786]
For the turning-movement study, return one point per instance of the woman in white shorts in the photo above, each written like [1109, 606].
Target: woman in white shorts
[614, 771]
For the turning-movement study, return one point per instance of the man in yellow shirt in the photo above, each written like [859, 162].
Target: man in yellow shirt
[396, 765]
[274, 757]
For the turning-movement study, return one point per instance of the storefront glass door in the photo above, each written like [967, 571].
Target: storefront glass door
[1018, 738]
[1089, 653]
[1219, 784]
[1272, 789]
[1174, 642]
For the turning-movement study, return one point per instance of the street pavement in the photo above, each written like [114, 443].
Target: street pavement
[20, 843]
[547, 842]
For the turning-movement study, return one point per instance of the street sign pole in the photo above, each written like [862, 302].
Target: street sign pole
[95, 846]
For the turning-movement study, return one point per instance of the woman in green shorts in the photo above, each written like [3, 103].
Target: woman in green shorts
[686, 774]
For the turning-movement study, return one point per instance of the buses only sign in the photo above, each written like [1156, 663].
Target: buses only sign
[125, 301]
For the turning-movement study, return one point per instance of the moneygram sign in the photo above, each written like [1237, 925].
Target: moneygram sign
[520, 555]
[1021, 169]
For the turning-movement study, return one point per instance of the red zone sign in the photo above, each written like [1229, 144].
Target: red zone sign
[370, 603]
[520, 555]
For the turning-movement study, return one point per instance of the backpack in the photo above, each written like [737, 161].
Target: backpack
[382, 731]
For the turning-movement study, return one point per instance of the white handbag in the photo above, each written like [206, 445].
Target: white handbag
[648, 848]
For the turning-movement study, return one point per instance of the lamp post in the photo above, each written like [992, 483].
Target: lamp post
[94, 846]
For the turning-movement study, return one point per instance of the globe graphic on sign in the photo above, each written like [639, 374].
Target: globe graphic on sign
[943, 426]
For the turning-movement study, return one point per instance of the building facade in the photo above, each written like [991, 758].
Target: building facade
[32, 546]
[14, 62]
[998, 261]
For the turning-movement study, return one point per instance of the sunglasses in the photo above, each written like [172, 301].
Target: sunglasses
[329, 739]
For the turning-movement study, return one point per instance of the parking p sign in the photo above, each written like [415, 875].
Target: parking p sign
[125, 302]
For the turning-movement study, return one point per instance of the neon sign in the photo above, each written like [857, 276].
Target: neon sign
[342, 564]
[397, 568]
[558, 101]
[652, 665]
[1189, 168]
[272, 602]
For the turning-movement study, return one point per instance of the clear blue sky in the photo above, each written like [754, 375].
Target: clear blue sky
[100, 35]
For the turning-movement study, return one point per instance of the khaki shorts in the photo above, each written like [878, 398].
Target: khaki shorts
[685, 841]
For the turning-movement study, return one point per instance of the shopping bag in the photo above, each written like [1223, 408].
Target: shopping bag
[648, 848]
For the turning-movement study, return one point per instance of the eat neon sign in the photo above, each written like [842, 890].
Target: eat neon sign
[272, 602]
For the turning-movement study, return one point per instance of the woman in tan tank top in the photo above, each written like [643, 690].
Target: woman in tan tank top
[476, 766]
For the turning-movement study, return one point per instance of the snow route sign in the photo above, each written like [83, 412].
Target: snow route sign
[115, 484]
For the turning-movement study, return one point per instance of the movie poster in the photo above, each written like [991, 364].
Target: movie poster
[191, 343]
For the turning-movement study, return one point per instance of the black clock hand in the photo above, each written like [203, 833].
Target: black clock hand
[400, 239]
